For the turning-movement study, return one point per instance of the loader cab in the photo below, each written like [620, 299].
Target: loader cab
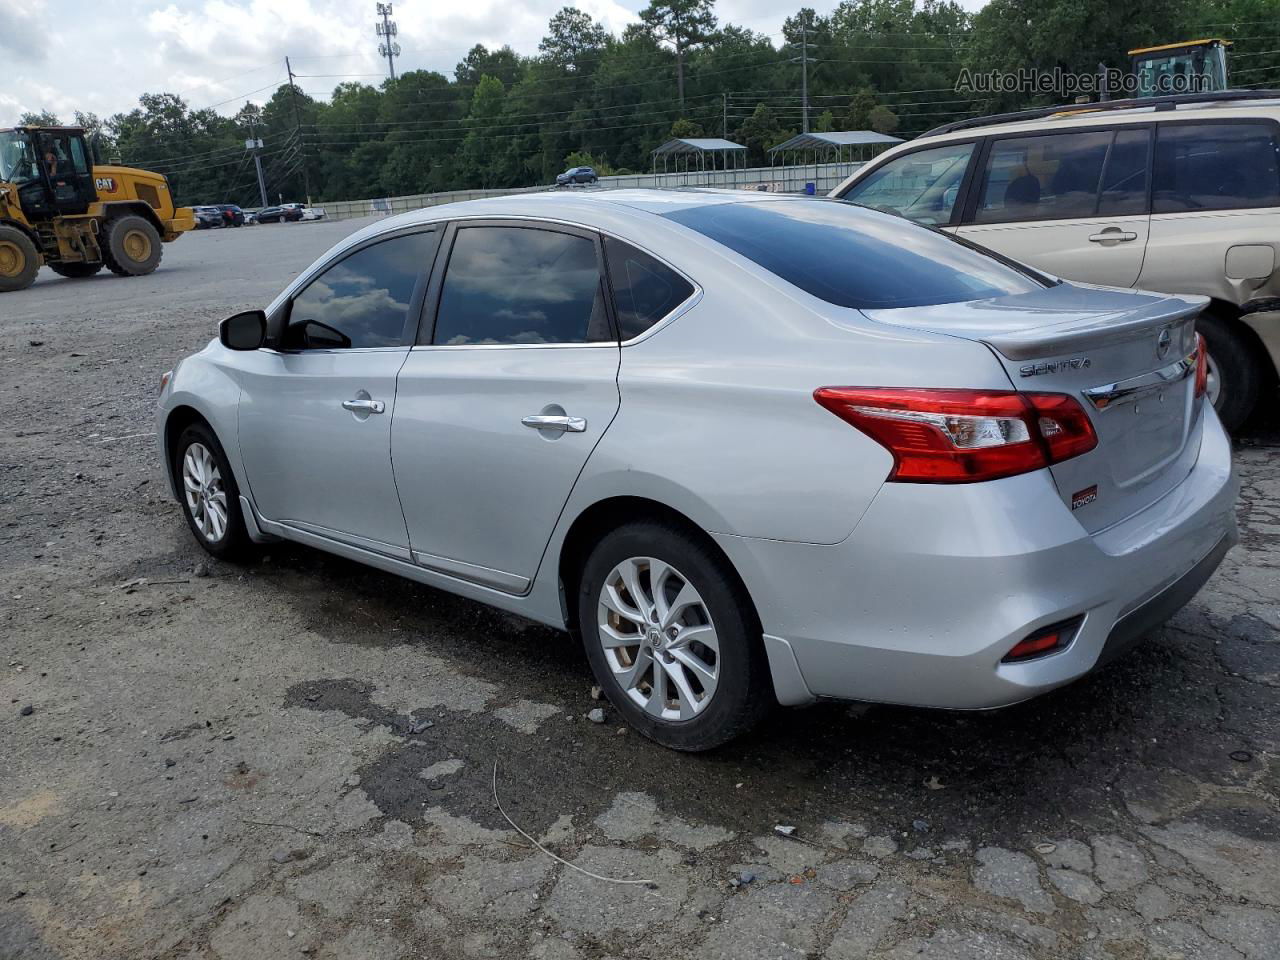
[1197, 66]
[51, 168]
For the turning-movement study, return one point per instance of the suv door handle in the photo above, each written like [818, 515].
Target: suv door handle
[1113, 234]
[364, 406]
[563, 424]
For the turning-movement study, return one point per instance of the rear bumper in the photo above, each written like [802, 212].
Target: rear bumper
[920, 604]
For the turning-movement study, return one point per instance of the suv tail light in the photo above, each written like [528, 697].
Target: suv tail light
[1202, 365]
[964, 436]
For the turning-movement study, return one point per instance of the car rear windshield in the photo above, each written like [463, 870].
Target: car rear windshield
[854, 257]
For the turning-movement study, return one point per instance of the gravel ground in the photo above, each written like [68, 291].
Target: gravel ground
[296, 758]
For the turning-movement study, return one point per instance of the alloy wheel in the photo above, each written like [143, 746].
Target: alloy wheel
[205, 495]
[658, 638]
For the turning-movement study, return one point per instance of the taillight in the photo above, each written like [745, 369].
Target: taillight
[1202, 365]
[964, 436]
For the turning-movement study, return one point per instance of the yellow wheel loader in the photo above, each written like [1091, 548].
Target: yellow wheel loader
[58, 207]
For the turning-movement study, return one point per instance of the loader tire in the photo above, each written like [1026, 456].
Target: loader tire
[130, 246]
[19, 260]
[76, 270]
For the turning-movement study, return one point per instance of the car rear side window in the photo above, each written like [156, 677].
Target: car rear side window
[509, 285]
[365, 297]
[1215, 166]
[1043, 177]
[644, 289]
[854, 257]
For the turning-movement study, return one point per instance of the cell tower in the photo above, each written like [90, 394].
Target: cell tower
[387, 30]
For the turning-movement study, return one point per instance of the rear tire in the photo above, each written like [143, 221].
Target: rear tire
[1234, 365]
[130, 246]
[19, 260]
[209, 494]
[714, 684]
[76, 270]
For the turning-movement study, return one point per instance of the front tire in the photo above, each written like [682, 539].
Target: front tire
[208, 492]
[130, 246]
[19, 260]
[76, 271]
[672, 637]
[1235, 374]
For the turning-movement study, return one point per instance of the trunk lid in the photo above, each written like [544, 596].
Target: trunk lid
[1122, 355]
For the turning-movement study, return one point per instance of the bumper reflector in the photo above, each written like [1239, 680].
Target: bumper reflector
[1046, 640]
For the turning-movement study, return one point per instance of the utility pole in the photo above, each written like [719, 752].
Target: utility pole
[724, 106]
[297, 129]
[803, 60]
[387, 29]
[804, 73]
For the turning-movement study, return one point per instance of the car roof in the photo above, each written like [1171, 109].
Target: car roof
[623, 210]
[1093, 115]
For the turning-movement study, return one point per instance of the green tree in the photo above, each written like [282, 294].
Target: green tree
[683, 129]
[683, 24]
[41, 118]
[571, 35]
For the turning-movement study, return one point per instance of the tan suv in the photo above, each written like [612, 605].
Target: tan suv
[1176, 194]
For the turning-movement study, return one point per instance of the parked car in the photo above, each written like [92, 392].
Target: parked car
[279, 214]
[232, 215]
[1184, 198]
[250, 218]
[576, 175]
[752, 448]
[207, 217]
[313, 213]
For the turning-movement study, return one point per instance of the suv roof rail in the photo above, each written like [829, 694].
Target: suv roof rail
[1169, 102]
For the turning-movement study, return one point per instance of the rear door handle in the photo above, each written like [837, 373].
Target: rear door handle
[563, 424]
[364, 406]
[1113, 234]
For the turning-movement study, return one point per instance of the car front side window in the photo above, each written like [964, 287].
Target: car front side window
[362, 300]
[922, 186]
[521, 285]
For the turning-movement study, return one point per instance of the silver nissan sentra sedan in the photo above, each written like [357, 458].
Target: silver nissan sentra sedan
[752, 449]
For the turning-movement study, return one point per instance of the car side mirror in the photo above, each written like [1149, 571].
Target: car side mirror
[244, 331]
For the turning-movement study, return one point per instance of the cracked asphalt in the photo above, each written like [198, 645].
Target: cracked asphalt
[296, 758]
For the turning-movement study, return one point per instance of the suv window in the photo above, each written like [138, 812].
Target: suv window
[363, 298]
[853, 257]
[644, 290]
[521, 285]
[921, 186]
[1043, 177]
[1124, 181]
[1215, 166]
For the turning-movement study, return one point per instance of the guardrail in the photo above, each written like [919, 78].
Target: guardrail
[789, 179]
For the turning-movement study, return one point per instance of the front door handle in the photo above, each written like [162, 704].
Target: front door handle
[1113, 235]
[364, 406]
[563, 424]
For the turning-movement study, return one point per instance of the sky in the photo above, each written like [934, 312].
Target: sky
[98, 57]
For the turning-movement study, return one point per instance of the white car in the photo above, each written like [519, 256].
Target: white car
[1179, 194]
[313, 213]
[753, 449]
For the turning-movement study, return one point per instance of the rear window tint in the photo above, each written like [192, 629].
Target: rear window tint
[644, 290]
[854, 257]
[1215, 166]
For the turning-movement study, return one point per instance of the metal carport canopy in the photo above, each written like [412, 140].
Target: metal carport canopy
[837, 138]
